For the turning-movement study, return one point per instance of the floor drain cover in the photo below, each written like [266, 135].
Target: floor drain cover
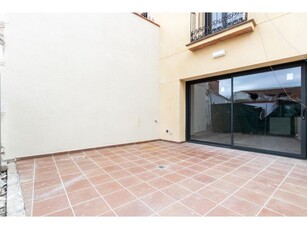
[161, 167]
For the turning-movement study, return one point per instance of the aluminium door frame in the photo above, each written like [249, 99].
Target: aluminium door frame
[231, 76]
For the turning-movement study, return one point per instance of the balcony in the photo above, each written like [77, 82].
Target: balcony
[211, 28]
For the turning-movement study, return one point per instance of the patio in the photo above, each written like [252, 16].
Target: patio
[161, 178]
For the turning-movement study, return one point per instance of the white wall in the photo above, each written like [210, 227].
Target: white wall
[78, 80]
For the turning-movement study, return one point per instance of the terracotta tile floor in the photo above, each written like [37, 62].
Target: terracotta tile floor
[196, 180]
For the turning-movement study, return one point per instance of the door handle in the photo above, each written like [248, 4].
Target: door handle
[303, 114]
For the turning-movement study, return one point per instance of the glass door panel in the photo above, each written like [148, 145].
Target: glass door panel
[210, 117]
[267, 110]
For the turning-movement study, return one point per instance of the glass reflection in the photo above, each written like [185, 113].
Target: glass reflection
[267, 110]
[210, 111]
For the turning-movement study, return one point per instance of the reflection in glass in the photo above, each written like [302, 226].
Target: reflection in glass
[210, 111]
[223, 20]
[267, 110]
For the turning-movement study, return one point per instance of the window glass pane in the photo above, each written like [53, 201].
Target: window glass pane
[210, 111]
[267, 110]
[221, 20]
[217, 21]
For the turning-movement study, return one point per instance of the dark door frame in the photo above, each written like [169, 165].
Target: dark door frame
[301, 64]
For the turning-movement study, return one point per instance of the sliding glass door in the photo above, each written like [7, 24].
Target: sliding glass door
[267, 110]
[210, 118]
[261, 110]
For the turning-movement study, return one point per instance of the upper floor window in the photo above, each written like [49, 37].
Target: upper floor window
[204, 24]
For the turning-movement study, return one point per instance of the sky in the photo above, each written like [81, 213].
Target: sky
[290, 77]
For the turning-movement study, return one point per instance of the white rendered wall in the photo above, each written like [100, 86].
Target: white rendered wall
[78, 80]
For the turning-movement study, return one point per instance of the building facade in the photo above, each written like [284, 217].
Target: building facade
[78, 81]
[234, 79]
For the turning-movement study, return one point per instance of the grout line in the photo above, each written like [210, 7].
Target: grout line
[241, 198]
[32, 202]
[287, 202]
[265, 177]
[230, 210]
[174, 183]
[205, 185]
[100, 214]
[181, 186]
[276, 189]
[207, 159]
[90, 183]
[50, 197]
[121, 189]
[63, 186]
[241, 187]
[303, 187]
[297, 178]
[137, 153]
[73, 205]
[274, 211]
[56, 212]
[113, 162]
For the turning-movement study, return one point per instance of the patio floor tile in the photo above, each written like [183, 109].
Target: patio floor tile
[91, 208]
[203, 178]
[100, 179]
[197, 180]
[49, 192]
[174, 177]
[160, 183]
[296, 189]
[252, 196]
[82, 195]
[62, 213]
[224, 186]
[146, 176]
[177, 209]
[158, 201]
[177, 192]
[198, 203]
[76, 185]
[109, 187]
[268, 212]
[141, 189]
[291, 198]
[213, 194]
[50, 205]
[135, 208]
[241, 206]
[286, 208]
[47, 183]
[260, 188]
[119, 198]
[233, 179]
[129, 181]
[191, 184]
[221, 211]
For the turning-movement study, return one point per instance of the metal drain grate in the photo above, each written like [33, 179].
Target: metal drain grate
[162, 167]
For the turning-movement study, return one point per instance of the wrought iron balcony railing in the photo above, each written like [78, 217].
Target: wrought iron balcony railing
[214, 22]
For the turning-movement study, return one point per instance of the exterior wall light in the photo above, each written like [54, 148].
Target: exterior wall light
[218, 53]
